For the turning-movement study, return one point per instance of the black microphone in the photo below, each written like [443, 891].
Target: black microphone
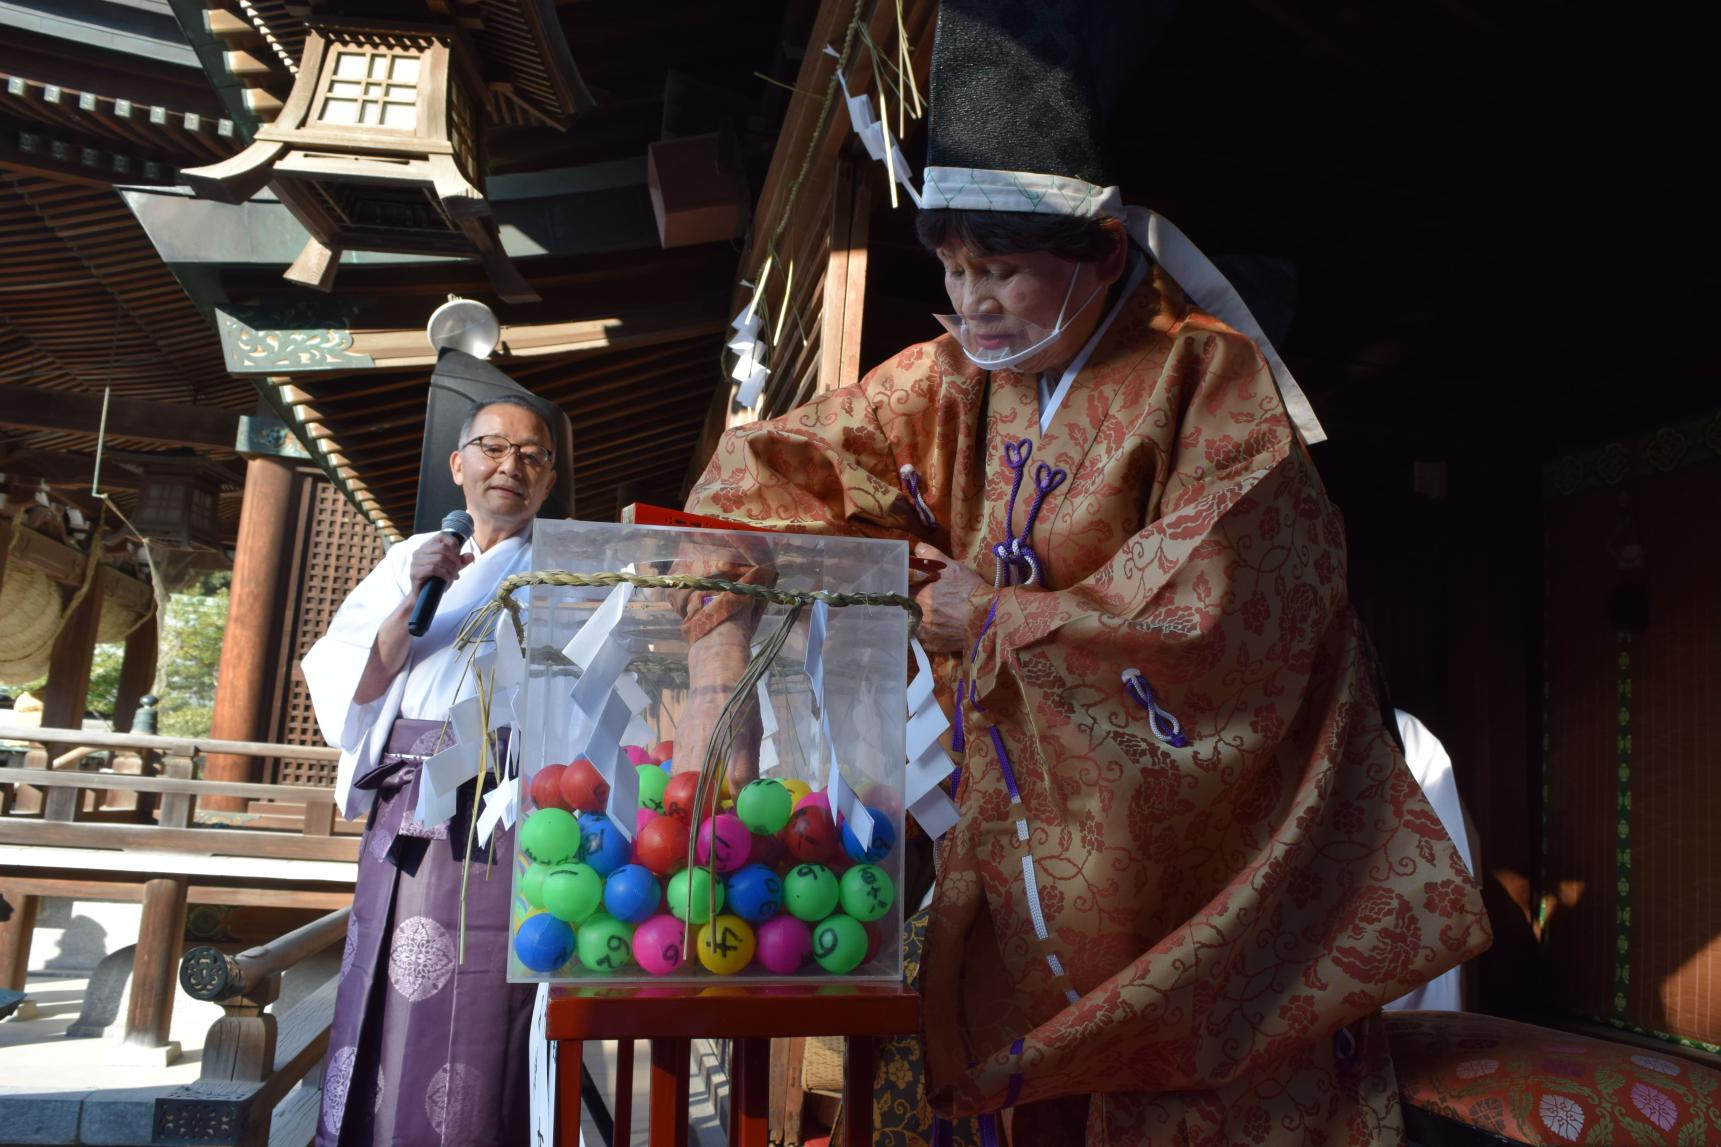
[459, 524]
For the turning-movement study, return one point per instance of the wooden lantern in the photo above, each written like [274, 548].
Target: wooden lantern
[179, 506]
[378, 148]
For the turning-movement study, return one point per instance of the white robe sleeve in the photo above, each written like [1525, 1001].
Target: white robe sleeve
[334, 665]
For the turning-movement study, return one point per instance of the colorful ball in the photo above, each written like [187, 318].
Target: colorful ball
[631, 893]
[662, 845]
[550, 836]
[693, 896]
[883, 839]
[725, 945]
[810, 836]
[547, 787]
[724, 843]
[767, 850]
[810, 892]
[605, 944]
[867, 892]
[839, 944]
[572, 892]
[874, 940]
[543, 943]
[764, 806]
[657, 945]
[755, 893]
[784, 943]
[584, 788]
[820, 799]
[652, 782]
[532, 884]
[679, 794]
[606, 849]
[797, 789]
[663, 751]
[641, 818]
[637, 754]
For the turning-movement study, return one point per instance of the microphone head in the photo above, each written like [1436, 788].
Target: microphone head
[458, 523]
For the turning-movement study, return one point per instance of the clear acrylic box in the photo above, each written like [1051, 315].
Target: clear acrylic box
[777, 900]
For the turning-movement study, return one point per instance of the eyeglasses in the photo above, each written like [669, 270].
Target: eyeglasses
[496, 448]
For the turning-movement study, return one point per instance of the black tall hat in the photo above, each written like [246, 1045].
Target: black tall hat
[458, 381]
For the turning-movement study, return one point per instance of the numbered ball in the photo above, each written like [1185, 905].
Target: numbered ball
[662, 845]
[810, 836]
[883, 839]
[724, 843]
[652, 782]
[693, 896]
[784, 944]
[767, 850]
[839, 944]
[764, 806]
[572, 892]
[547, 787]
[637, 754]
[605, 944]
[631, 893]
[584, 788]
[663, 751]
[679, 794]
[867, 892]
[550, 836]
[755, 893]
[725, 945]
[810, 892]
[532, 885]
[606, 849]
[657, 945]
[543, 942]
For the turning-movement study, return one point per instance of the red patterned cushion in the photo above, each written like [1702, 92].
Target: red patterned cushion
[1536, 1085]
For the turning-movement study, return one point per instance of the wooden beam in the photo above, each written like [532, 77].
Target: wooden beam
[167, 424]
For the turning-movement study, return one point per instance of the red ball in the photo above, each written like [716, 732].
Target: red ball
[664, 751]
[678, 796]
[767, 850]
[874, 940]
[810, 836]
[547, 787]
[662, 845]
[583, 788]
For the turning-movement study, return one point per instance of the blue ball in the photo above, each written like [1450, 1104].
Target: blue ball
[755, 893]
[544, 943]
[631, 893]
[605, 847]
[669, 766]
[883, 840]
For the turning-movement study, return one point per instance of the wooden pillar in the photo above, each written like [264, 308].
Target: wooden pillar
[137, 670]
[155, 968]
[15, 937]
[254, 608]
[68, 689]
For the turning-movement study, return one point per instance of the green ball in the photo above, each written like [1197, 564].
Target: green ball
[764, 806]
[605, 944]
[867, 892]
[810, 892]
[550, 836]
[532, 884]
[839, 944]
[698, 909]
[652, 781]
[572, 892]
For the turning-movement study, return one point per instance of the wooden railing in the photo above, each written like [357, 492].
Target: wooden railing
[251, 1060]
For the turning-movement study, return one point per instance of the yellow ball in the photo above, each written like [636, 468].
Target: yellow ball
[725, 945]
[799, 788]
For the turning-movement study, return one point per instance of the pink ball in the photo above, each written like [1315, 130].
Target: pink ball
[657, 945]
[641, 818]
[784, 943]
[638, 755]
[734, 842]
[815, 800]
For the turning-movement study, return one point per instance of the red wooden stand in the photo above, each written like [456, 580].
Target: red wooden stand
[671, 1016]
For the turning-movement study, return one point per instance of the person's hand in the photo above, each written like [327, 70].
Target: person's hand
[715, 663]
[439, 557]
[947, 603]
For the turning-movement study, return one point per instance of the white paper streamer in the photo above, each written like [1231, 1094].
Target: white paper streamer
[598, 627]
[874, 135]
[928, 763]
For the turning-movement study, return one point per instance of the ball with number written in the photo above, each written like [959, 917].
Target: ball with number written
[631, 893]
[605, 944]
[810, 835]
[755, 893]
[764, 806]
[693, 896]
[867, 892]
[652, 782]
[657, 945]
[839, 944]
[572, 892]
[810, 892]
[584, 788]
[883, 839]
[724, 843]
[661, 845]
[679, 795]
[725, 945]
[543, 942]
[550, 836]
[605, 848]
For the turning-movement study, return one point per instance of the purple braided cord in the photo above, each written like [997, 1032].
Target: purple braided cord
[943, 1132]
[959, 739]
[989, 1131]
[1160, 721]
[1015, 1091]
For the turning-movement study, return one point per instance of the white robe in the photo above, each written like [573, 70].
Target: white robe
[1432, 769]
[431, 682]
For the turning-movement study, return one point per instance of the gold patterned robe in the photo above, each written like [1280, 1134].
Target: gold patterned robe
[1228, 916]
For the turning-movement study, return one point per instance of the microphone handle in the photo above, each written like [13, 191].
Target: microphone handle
[429, 597]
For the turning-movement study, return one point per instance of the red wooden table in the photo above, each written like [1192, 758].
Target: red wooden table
[672, 1016]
